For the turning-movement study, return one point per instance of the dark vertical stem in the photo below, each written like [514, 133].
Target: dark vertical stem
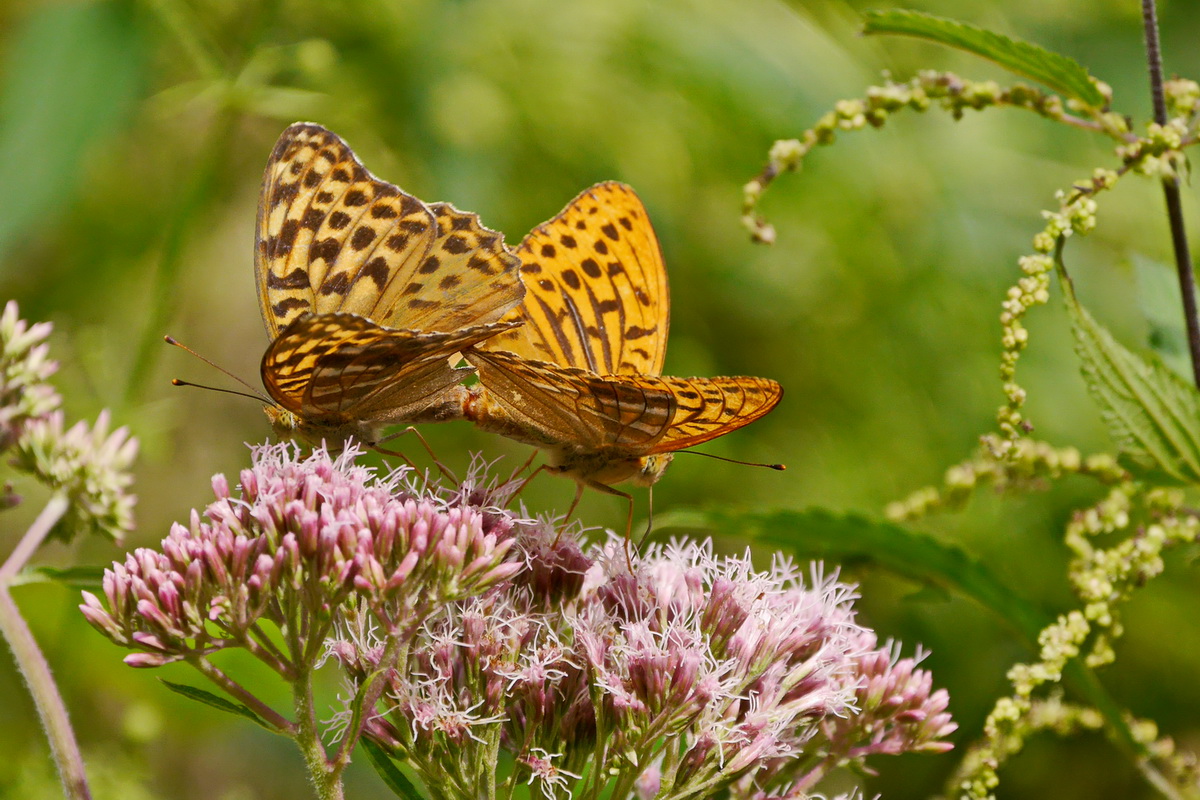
[1183, 260]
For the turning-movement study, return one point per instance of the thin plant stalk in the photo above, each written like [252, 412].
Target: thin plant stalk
[1179, 242]
[32, 663]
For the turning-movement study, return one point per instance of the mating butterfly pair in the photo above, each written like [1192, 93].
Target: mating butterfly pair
[370, 297]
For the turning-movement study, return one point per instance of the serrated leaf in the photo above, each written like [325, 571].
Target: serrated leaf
[848, 538]
[1023, 58]
[1158, 299]
[389, 772]
[217, 702]
[1151, 412]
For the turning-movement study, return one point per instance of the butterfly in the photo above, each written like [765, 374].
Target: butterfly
[581, 376]
[368, 294]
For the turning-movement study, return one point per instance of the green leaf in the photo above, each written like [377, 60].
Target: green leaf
[1151, 412]
[852, 539]
[72, 76]
[1029, 60]
[1158, 299]
[391, 774]
[217, 702]
[89, 578]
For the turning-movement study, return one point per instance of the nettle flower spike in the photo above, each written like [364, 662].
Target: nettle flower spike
[301, 543]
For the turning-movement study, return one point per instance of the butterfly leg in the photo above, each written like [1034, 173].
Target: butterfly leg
[570, 511]
[446, 473]
[606, 489]
[649, 515]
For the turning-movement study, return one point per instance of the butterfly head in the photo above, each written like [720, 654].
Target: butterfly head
[332, 435]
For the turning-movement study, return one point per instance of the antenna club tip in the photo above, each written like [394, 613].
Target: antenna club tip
[177, 382]
[170, 339]
[780, 467]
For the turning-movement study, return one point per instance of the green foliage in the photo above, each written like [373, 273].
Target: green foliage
[71, 81]
[389, 772]
[1051, 69]
[1152, 413]
[216, 701]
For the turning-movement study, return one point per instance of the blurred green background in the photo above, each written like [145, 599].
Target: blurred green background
[135, 135]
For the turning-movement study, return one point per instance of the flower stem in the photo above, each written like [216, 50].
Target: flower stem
[32, 664]
[1179, 242]
[326, 777]
[234, 689]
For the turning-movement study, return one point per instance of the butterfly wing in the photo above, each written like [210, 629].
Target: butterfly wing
[624, 415]
[333, 238]
[596, 284]
[329, 369]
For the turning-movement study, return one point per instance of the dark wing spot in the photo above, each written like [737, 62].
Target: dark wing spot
[312, 219]
[383, 211]
[460, 224]
[580, 225]
[625, 223]
[413, 288]
[412, 225]
[296, 167]
[296, 279]
[312, 179]
[397, 242]
[355, 197]
[417, 302]
[601, 247]
[610, 231]
[642, 297]
[429, 266]
[287, 237]
[410, 205]
[324, 198]
[287, 304]
[449, 282]
[336, 284]
[339, 220]
[285, 194]
[546, 285]
[478, 262]
[568, 241]
[548, 250]
[341, 176]
[608, 306]
[362, 237]
[530, 268]
[590, 267]
[456, 245]
[377, 270]
[571, 278]
[615, 268]
[688, 395]
[327, 249]
[638, 332]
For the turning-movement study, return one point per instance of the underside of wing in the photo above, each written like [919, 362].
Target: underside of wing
[333, 238]
[625, 414]
[345, 368]
[596, 284]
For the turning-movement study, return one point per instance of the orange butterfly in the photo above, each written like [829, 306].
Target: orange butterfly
[367, 293]
[580, 377]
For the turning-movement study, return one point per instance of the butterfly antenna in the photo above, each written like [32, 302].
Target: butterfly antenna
[171, 340]
[780, 467]
[178, 382]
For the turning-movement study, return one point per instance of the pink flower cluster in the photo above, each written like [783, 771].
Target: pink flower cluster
[301, 538]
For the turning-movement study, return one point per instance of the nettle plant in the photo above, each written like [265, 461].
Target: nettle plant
[1151, 410]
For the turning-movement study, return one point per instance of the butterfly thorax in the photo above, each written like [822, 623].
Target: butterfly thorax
[607, 468]
[331, 433]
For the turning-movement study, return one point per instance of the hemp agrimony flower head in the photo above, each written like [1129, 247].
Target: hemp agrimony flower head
[25, 368]
[689, 677]
[302, 541]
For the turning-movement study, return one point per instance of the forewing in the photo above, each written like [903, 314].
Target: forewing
[469, 277]
[333, 238]
[327, 366]
[596, 288]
